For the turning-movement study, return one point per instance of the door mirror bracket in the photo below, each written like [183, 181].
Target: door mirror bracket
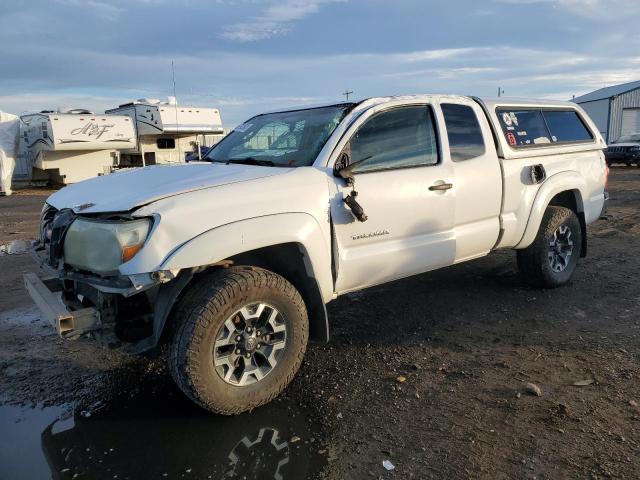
[344, 168]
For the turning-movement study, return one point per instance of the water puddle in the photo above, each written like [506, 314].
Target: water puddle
[15, 247]
[158, 439]
[20, 443]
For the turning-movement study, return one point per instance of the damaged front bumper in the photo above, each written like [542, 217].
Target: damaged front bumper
[106, 309]
[68, 323]
[70, 319]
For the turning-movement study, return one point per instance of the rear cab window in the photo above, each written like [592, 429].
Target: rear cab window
[536, 127]
[463, 131]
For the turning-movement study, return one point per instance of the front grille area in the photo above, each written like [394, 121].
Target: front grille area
[46, 219]
[62, 220]
[54, 224]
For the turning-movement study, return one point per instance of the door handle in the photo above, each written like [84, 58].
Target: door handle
[440, 187]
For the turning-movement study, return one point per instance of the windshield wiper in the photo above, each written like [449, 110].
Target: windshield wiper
[252, 161]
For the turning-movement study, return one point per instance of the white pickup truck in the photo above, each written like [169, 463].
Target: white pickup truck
[231, 261]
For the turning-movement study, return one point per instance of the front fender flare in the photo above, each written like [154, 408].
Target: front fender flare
[225, 241]
[552, 186]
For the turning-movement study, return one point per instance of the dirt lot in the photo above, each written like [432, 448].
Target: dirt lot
[466, 339]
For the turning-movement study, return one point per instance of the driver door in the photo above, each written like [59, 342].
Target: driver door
[404, 187]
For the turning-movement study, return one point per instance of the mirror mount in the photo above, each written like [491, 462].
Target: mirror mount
[344, 168]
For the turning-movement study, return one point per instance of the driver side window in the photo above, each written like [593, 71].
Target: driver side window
[398, 138]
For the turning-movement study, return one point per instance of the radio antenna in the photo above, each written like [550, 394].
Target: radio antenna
[173, 76]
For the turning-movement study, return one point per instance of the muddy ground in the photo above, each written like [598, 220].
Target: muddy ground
[466, 339]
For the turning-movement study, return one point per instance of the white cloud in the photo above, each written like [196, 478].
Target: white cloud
[592, 79]
[274, 21]
[34, 102]
[251, 83]
[596, 9]
[425, 55]
[102, 9]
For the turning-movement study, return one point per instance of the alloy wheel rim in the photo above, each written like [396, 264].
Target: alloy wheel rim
[560, 249]
[249, 344]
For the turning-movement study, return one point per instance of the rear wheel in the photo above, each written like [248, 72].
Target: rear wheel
[240, 338]
[551, 259]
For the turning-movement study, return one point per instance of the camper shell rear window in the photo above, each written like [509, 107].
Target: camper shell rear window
[540, 127]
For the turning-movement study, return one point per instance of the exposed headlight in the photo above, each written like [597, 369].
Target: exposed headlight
[101, 246]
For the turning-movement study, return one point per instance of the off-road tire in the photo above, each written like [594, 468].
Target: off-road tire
[533, 261]
[211, 300]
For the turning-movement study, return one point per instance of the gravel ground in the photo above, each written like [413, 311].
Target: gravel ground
[429, 373]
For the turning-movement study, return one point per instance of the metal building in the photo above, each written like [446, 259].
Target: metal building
[615, 110]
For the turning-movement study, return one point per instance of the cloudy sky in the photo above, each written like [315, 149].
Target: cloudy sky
[247, 56]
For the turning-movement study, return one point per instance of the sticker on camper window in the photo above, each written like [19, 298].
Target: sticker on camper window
[514, 118]
[506, 118]
[243, 127]
[512, 139]
[522, 134]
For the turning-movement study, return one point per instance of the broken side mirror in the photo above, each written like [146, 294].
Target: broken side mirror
[344, 168]
[355, 207]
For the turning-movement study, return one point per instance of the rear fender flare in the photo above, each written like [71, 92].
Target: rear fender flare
[552, 186]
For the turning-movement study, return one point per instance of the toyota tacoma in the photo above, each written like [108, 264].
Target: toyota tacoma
[229, 262]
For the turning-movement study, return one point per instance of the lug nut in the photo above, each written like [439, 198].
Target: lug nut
[258, 333]
[238, 338]
[249, 329]
[259, 345]
[248, 355]
[238, 351]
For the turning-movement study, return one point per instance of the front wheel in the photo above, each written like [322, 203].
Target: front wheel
[551, 259]
[240, 338]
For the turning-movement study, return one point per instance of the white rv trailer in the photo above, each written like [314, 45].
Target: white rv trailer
[167, 132]
[70, 147]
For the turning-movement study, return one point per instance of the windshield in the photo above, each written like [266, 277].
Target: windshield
[629, 138]
[286, 139]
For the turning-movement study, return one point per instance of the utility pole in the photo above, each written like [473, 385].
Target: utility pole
[500, 91]
[347, 93]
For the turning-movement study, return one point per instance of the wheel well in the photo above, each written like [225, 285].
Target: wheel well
[288, 260]
[572, 200]
[291, 262]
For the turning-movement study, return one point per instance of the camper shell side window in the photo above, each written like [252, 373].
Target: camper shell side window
[539, 127]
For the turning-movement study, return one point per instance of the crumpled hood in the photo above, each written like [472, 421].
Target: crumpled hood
[128, 189]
